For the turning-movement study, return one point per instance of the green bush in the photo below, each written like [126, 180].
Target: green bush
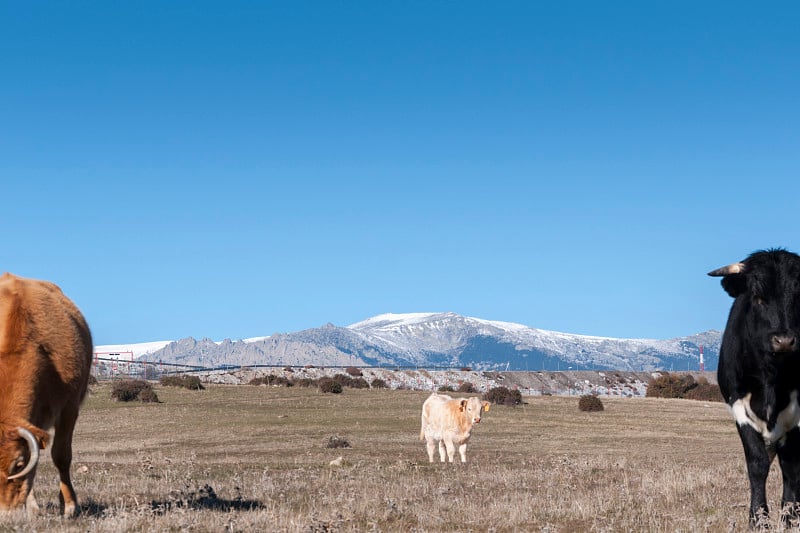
[590, 403]
[446, 388]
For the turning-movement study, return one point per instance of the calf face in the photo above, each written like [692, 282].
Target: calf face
[473, 408]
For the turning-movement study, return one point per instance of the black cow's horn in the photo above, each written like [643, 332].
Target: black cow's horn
[34, 448]
[735, 268]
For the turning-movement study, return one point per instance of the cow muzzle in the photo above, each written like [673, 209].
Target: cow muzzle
[783, 343]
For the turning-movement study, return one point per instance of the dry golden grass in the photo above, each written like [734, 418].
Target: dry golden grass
[244, 458]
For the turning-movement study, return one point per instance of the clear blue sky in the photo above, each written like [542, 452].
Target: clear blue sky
[235, 169]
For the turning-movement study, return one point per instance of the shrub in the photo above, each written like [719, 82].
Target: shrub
[467, 388]
[337, 442]
[378, 383]
[129, 390]
[329, 385]
[288, 369]
[187, 382]
[359, 383]
[92, 379]
[670, 386]
[466, 369]
[590, 403]
[353, 371]
[706, 392]
[271, 380]
[305, 382]
[503, 396]
[342, 379]
[446, 388]
[148, 396]
[676, 386]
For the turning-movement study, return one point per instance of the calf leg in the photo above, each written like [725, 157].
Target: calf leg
[758, 459]
[431, 446]
[451, 450]
[789, 457]
[462, 450]
[61, 453]
[442, 454]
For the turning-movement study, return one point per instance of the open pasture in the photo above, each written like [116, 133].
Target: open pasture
[246, 458]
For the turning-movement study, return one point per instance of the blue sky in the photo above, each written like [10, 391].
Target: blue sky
[235, 169]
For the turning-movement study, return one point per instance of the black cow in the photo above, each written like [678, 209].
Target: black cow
[759, 370]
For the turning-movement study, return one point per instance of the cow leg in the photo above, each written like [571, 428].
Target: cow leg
[789, 457]
[442, 454]
[61, 453]
[430, 444]
[462, 450]
[758, 460]
[451, 450]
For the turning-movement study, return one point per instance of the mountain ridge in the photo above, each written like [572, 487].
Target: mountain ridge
[439, 339]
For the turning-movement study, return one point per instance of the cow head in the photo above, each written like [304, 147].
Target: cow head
[19, 455]
[766, 286]
[472, 408]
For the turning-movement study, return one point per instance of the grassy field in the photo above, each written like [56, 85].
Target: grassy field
[245, 458]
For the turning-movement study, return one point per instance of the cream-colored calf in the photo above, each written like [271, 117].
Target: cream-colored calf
[449, 423]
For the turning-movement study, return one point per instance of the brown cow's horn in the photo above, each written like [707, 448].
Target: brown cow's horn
[735, 268]
[34, 448]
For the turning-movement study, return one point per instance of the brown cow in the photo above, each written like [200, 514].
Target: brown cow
[45, 360]
[449, 422]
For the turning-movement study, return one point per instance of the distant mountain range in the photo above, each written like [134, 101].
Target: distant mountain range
[437, 339]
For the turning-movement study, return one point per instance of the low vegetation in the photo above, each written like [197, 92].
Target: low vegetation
[651, 465]
[378, 383]
[271, 380]
[683, 386]
[590, 403]
[503, 396]
[129, 390]
[183, 380]
[329, 385]
[467, 388]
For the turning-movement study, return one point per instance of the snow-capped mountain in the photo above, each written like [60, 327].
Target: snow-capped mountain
[442, 339]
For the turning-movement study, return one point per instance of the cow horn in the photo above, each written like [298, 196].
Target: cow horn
[735, 268]
[34, 448]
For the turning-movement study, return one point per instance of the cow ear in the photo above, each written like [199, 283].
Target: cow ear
[462, 405]
[734, 285]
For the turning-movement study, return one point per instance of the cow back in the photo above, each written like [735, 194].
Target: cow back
[45, 350]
